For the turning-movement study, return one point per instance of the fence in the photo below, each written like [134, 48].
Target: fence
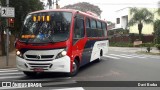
[131, 38]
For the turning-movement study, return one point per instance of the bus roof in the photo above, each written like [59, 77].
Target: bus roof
[70, 10]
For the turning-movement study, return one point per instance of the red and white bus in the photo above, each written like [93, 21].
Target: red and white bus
[60, 40]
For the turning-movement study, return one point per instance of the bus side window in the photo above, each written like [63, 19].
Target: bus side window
[104, 29]
[93, 28]
[78, 28]
[88, 28]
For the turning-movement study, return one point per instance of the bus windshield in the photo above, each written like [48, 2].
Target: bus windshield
[46, 27]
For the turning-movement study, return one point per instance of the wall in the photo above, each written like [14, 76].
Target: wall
[131, 38]
[147, 28]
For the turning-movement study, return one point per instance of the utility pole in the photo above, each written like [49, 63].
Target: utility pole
[7, 33]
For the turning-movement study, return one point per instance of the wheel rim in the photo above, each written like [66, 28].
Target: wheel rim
[74, 67]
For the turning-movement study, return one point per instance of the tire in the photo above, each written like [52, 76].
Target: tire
[30, 74]
[75, 68]
[101, 54]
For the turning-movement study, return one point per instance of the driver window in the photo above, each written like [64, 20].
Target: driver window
[78, 28]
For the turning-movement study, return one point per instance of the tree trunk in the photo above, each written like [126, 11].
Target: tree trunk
[140, 26]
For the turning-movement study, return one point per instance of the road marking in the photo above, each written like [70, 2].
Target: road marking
[111, 57]
[9, 77]
[8, 71]
[77, 88]
[133, 56]
[120, 56]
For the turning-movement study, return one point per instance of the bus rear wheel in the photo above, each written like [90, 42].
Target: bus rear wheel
[30, 74]
[75, 68]
[101, 54]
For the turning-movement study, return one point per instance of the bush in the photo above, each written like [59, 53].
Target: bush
[157, 46]
[120, 44]
[157, 31]
[147, 45]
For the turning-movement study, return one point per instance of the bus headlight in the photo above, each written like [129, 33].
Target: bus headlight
[61, 54]
[64, 53]
[18, 53]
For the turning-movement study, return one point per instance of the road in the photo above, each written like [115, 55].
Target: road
[115, 66]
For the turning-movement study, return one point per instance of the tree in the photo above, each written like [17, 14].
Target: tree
[22, 8]
[84, 6]
[157, 31]
[140, 16]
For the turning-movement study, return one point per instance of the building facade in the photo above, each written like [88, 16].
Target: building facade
[123, 16]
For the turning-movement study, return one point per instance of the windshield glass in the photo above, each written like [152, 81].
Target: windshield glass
[46, 27]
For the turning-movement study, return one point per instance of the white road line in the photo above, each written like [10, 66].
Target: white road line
[77, 88]
[9, 77]
[8, 71]
[133, 56]
[120, 56]
[111, 57]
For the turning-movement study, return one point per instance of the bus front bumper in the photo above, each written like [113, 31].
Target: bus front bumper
[56, 65]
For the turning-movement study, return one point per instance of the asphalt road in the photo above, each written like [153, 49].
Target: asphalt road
[116, 66]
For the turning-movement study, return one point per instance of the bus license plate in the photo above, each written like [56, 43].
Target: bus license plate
[38, 70]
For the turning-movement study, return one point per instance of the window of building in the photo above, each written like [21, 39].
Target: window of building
[118, 20]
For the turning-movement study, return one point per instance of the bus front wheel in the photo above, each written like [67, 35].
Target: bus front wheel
[75, 68]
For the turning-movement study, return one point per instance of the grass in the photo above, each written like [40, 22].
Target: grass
[151, 53]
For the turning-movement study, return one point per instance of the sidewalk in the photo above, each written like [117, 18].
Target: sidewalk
[134, 49]
[12, 61]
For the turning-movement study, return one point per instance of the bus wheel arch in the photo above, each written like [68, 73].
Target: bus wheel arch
[75, 67]
[101, 52]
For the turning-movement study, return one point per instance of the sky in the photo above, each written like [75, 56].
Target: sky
[109, 7]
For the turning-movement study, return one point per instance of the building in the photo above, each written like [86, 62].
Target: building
[123, 16]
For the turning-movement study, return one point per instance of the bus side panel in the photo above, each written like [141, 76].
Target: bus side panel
[98, 46]
[92, 50]
[86, 54]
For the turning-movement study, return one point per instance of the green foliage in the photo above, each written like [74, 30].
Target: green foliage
[157, 46]
[120, 44]
[157, 31]
[147, 45]
[140, 16]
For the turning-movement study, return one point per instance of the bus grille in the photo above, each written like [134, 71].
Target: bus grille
[39, 57]
[44, 66]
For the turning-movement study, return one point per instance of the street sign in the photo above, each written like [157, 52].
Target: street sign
[7, 12]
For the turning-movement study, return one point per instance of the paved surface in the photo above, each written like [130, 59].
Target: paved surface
[116, 66]
[11, 62]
